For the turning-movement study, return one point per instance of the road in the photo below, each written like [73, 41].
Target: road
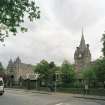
[13, 97]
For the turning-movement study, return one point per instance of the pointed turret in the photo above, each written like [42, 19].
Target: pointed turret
[10, 62]
[82, 45]
[18, 60]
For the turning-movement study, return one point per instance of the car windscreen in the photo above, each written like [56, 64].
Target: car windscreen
[1, 83]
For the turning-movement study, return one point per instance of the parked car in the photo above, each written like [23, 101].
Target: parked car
[1, 86]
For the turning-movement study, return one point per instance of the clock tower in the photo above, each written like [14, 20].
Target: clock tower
[82, 55]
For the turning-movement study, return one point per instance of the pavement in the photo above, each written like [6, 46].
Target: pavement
[34, 97]
[91, 97]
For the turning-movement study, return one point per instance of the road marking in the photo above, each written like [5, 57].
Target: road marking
[62, 104]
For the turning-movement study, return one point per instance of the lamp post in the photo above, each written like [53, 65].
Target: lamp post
[36, 78]
[56, 79]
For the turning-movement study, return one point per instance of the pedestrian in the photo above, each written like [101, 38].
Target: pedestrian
[86, 88]
[50, 87]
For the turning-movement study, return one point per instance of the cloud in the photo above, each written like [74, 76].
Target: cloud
[74, 14]
[56, 35]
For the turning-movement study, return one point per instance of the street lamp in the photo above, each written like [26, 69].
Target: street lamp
[36, 78]
[56, 79]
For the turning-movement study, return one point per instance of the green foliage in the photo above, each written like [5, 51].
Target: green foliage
[100, 69]
[46, 70]
[68, 73]
[89, 73]
[100, 63]
[42, 68]
[12, 14]
[95, 71]
[1, 69]
[103, 42]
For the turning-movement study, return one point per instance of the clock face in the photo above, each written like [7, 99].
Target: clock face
[80, 55]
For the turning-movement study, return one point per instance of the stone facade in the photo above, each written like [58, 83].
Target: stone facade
[82, 55]
[17, 69]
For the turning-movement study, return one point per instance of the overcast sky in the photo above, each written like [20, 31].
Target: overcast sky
[56, 35]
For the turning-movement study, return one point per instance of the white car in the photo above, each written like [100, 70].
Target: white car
[1, 86]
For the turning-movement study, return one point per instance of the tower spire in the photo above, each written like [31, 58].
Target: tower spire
[82, 42]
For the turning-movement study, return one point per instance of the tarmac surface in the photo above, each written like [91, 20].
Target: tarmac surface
[33, 97]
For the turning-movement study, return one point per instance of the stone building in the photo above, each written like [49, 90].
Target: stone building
[17, 69]
[82, 55]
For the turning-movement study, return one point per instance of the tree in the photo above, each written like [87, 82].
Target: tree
[103, 42]
[89, 73]
[100, 69]
[13, 13]
[100, 63]
[46, 70]
[52, 64]
[68, 73]
[42, 69]
[2, 72]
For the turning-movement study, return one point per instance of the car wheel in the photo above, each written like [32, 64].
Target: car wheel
[1, 94]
